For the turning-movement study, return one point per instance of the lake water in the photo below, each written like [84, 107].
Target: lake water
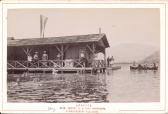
[120, 85]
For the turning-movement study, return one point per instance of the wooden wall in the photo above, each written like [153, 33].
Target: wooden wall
[17, 53]
[72, 52]
[14, 54]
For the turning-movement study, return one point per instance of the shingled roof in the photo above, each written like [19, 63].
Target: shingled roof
[59, 40]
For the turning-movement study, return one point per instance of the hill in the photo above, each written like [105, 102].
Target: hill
[153, 58]
[130, 52]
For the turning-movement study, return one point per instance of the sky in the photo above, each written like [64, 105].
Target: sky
[121, 26]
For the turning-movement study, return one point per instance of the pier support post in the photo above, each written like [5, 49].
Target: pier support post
[92, 49]
[104, 51]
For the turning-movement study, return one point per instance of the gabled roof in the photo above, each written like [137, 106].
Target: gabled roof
[59, 40]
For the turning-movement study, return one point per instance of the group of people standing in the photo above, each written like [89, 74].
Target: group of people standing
[36, 56]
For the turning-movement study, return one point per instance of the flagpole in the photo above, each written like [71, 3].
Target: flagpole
[40, 26]
[43, 21]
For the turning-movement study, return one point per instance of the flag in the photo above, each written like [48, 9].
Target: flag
[43, 21]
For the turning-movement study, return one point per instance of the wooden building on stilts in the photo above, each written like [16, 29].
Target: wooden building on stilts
[65, 54]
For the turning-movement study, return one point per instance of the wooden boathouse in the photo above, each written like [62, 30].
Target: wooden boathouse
[64, 53]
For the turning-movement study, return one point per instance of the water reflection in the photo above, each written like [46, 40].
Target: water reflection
[57, 88]
[127, 85]
[122, 85]
[148, 72]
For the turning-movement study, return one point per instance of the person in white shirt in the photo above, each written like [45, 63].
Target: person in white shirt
[29, 58]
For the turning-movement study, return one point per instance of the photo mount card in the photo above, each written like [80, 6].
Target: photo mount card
[84, 57]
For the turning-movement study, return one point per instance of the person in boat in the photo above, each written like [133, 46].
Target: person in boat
[145, 67]
[154, 65]
[139, 66]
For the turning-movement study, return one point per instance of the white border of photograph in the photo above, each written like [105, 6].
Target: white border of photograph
[152, 107]
[1, 59]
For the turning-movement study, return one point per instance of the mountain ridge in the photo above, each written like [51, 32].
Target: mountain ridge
[130, 52]
[153, 58]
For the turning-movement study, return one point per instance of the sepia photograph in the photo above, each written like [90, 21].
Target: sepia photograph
[83, 55]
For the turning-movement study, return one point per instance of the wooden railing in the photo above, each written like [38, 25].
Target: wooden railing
[98, 63]
[53, 64]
